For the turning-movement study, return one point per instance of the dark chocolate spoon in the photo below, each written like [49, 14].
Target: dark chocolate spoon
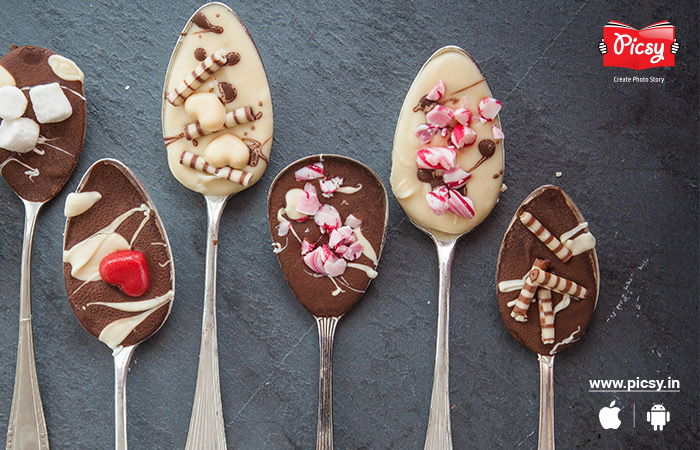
[548, 253]
[329, 250]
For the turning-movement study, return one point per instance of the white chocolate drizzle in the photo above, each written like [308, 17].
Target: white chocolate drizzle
[512, 285]
[79, 202]
[138, 306]
[115, 333]
[581, 243]
[367, 249]
[31, 172]
[568, 340]
[282, 219]
[277, 247]
[365, 268]
[348, 189]
[563, 304]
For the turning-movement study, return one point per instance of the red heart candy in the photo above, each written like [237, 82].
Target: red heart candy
[127, 269]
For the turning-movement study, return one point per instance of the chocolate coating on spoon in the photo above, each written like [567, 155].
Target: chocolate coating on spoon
[39, 175]
[521, 247]
[119, 196]
[369, 204]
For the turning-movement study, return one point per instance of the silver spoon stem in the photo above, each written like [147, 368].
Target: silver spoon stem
[207, 430]
[439, 436]
[326, 333]
[546, 432]
[121, 366]
[27, 426]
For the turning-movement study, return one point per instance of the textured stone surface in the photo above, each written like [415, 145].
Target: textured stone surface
[339, 72]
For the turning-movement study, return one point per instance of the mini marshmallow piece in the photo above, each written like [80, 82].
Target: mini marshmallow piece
[308, 203]
[437, 200]
[497, 133]
[425, 132]
[462, 136]
[227, 150]
[353, 222]
[440, 116]
[13, 103]
[463, 116]
[437, 92]
[489, 108]
[6, 78]
[310, 172]
[460, 204]
[436, 158]
[292, 200]
[456, 177]
[50, 104]
[19, 135]
[207, 109]
[327, 218]
[79, 202]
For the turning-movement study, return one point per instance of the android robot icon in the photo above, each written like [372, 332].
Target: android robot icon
[658, 417]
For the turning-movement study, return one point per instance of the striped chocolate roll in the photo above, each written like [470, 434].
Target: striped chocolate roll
[239, 116]
[556, 283]
[197, 162]
[545, 236]
[527, 293]
[544, 298]
[199, 75]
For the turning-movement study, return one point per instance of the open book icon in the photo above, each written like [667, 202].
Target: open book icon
[639, 49]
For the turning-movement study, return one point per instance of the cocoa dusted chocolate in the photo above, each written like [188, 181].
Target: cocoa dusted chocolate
[117, 263]
[42, 107]
[547, 273]
[328, 217]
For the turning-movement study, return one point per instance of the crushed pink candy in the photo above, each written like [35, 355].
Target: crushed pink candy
[489, 108]
[497, 133]
[436, 158]
[343, 235]
[437, 92]
[308, 201]
[463, 136]
[328, 187]
[463, 116]
[440, 116]
[323, 260]
[460, 204]
[456, 177]
[327, 218]
[352, 221]
[309, 172]
[425, 132]
[306, 247]
[351, 252]
[283, 228]
[437, 200]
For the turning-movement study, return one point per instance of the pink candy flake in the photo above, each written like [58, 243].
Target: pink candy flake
[352, 252]
[463, 115]
[462, 136]
[440, 116]
[460, 204]
[328, 187]
[436, 158]
[425, 132]
[323, 260]
[353, 222]
[309, 172]
[497, 133]
[308, 202]
[455, 178]
[437, 200]
[306, 247]
[464, 102]
[343, 235]
[327, 218]
[283, 228]
[334, 266]
[489, 108]
[437, 92]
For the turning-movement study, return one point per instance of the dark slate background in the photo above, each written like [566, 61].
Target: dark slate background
[339, 72]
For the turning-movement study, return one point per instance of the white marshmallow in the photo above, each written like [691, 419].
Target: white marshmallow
[50, 104]
[13, 103]
[19, 135]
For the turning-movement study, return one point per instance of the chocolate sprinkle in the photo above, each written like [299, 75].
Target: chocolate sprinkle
[487, 148]
[232, 58]
[227, 92]
[202, 22]
[200, 54]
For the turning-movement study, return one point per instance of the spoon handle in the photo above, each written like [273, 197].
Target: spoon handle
[546, 432]
[326, 332]
[27, 426]
[121, 366]
[207, 430]
[439, 436]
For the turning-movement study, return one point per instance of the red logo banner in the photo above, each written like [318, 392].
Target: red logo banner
[652, 46]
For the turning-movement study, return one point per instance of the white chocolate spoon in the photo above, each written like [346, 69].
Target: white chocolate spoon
[462, 77]
[239, 80]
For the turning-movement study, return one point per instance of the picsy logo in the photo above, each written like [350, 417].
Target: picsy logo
[652, 46]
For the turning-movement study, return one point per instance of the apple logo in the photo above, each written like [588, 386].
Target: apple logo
[608, 417]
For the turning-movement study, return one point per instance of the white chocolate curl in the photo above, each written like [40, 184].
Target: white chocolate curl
[239, 116]
[228, 173]
[527, 293]
[540, 277]
[544, 298]
[199, 75]
[547, 238]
